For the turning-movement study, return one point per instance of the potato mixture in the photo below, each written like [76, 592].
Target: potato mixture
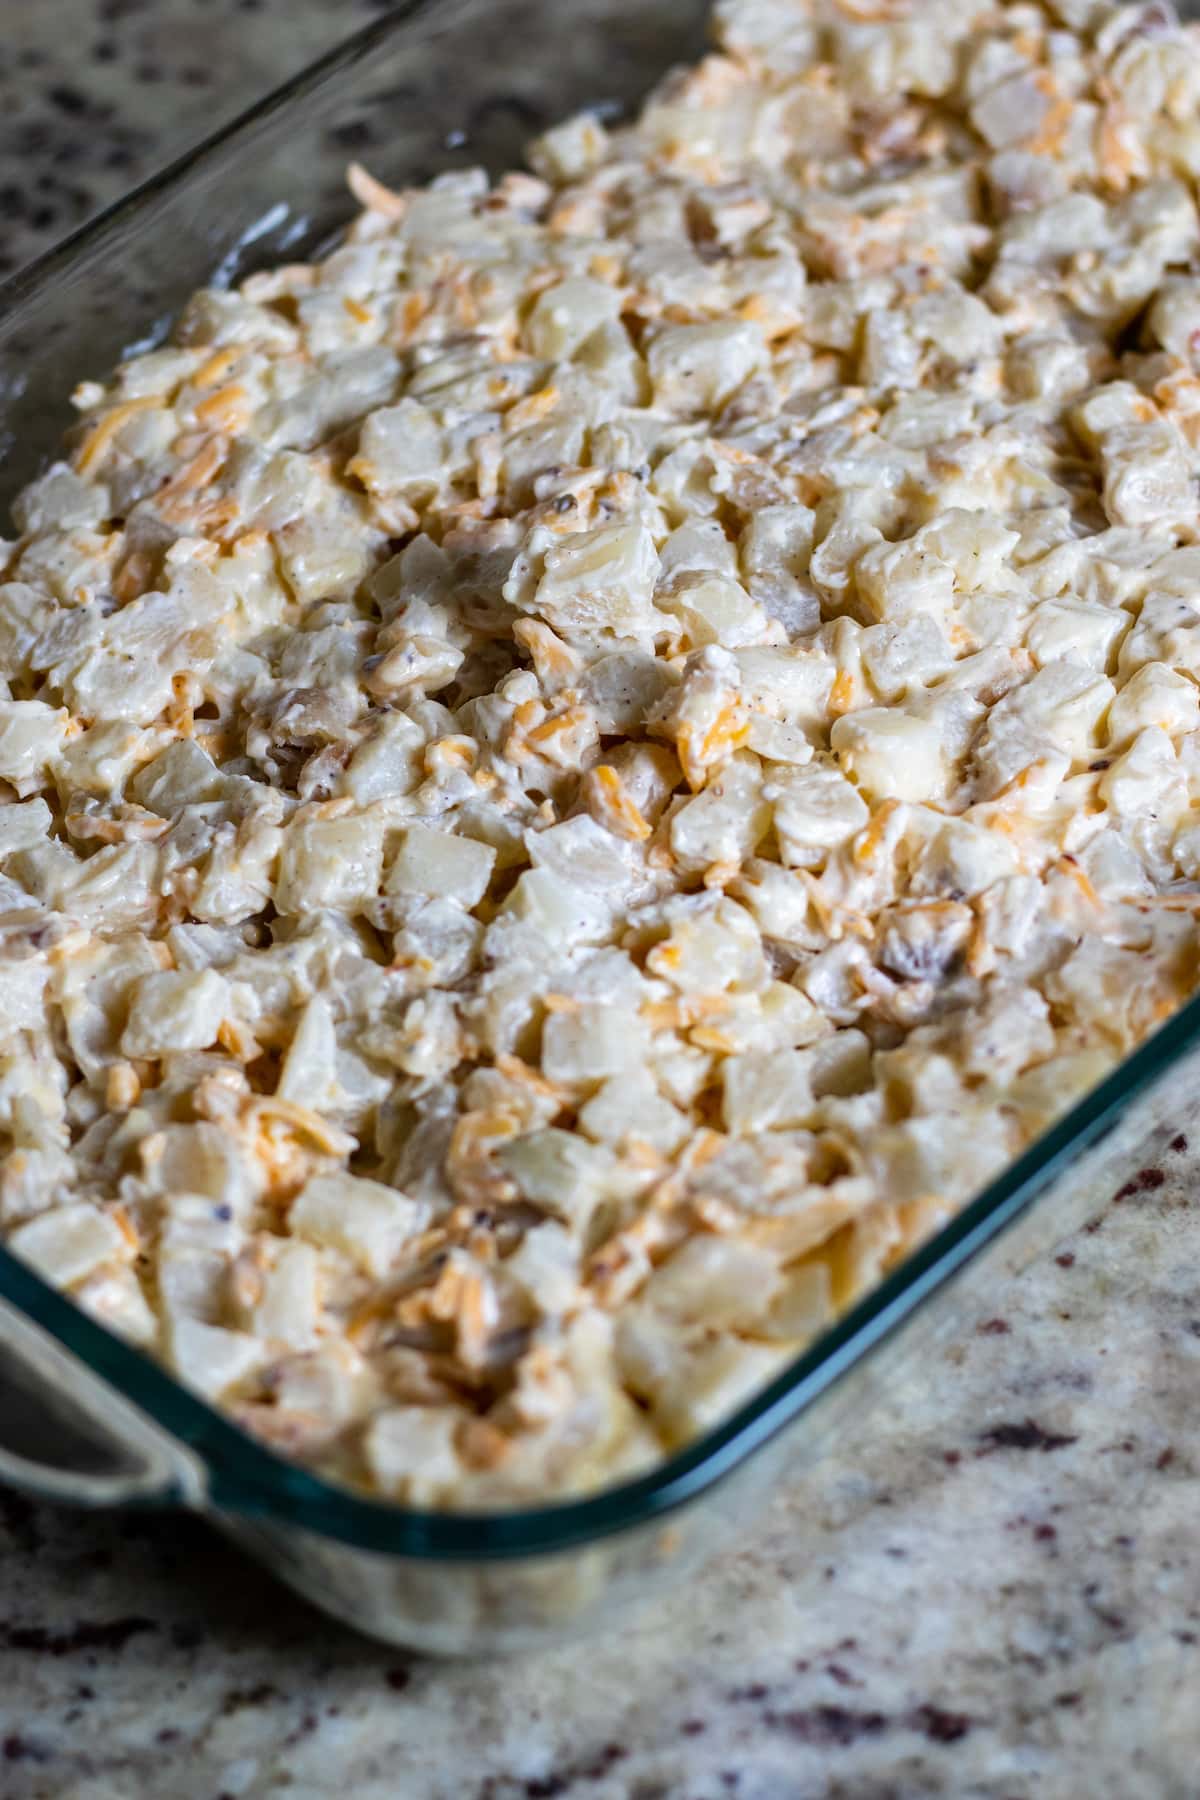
[580, 773]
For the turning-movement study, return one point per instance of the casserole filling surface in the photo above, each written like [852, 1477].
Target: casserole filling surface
[579, 774]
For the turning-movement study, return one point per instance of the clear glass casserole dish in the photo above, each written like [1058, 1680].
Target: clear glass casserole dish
[89, 1419]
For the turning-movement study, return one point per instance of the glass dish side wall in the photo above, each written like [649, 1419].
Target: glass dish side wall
[431, 87]
[460, 1607]
[855, 1385]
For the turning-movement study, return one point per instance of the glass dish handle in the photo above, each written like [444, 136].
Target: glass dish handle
[66, 1435]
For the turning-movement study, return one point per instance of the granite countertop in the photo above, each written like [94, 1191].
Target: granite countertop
[1000, 1600]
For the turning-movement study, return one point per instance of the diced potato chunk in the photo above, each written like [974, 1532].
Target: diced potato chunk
[330, 862]
[436, 862]
[176, 1010]
[365, 1220]
[891, 755]
[69, 1242]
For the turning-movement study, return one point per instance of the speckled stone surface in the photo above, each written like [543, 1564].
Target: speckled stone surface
[998, 1600]
[97, 94]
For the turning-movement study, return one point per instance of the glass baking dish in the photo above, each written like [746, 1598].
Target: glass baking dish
[88, 1419]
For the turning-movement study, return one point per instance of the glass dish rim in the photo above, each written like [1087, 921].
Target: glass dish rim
[16, 289]
[242, 1476]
